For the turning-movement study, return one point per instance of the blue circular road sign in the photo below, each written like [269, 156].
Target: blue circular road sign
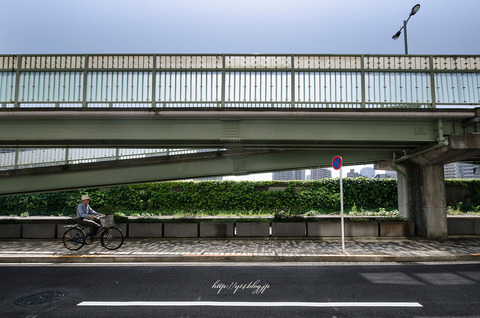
[337, 162]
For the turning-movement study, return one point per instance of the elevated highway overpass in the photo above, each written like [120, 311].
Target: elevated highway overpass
[93, 120]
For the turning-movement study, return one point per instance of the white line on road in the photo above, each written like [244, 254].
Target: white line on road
[245, 304]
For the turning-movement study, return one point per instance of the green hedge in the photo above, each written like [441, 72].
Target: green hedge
[166, 198]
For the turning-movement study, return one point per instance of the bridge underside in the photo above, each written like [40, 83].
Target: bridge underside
[220, 163]
[248, 141]
[295, 129]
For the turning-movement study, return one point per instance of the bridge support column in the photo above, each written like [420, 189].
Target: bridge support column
[427, 200]
[403, 200]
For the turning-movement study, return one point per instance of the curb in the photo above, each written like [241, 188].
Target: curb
[60, 259]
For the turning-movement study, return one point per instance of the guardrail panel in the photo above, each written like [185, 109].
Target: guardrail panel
[186, 62]
[256, 62]
[328, 62]
[57, 62]
[7, 86]
[453, 63]
[7, 63]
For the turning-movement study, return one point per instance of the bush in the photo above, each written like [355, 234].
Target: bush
[213, 197]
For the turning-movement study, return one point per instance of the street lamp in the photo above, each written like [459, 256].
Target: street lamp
[397, 35]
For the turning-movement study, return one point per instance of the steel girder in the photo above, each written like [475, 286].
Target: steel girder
[252, 130]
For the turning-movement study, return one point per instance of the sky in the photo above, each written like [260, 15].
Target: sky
[238, 26]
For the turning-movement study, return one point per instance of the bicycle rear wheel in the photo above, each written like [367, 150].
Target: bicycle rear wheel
[74, 238]
[112, 238]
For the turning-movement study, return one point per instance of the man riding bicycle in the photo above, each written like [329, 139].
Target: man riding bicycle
[85, 215]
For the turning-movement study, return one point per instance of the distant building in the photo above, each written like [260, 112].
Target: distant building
[289, 175]
[209, 179]
[367, 172]
[461, 171]
[386, 175]
[317, 174]
[352, 174]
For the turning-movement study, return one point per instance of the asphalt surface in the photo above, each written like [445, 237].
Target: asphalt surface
[244, 250]
[240, 290]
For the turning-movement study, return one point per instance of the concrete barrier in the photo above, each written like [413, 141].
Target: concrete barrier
[397, 229]
[324, 229]
[181, 229]
[287, 229]
[361, 229]
[216, 230]
[457, 226]
[10, 231]
[251, 229]
[145, 230]
[39, 231]
[61, 228]
[123, 227]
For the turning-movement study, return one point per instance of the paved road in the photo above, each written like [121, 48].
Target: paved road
[240, 290]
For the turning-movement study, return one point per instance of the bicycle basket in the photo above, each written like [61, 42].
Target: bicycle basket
[107, 221]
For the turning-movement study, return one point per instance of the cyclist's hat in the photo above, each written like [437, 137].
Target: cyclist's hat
[85, 197]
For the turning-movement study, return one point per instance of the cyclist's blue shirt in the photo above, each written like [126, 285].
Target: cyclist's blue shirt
[83, 211]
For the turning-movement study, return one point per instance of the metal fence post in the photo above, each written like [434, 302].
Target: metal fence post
[15, 165]
[362, 79]
[66, 155]
[85, 80]
[224, 80]
[17, 82]
[293, 80]
[154, 82]
[432, 83]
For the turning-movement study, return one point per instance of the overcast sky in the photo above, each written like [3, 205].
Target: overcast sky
[237, 26]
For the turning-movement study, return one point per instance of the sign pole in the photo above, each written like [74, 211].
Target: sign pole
[337, 163]
[341, 211]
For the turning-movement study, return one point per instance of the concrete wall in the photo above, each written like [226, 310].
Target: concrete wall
[145, 230]
[179, 230]
[252, 229]
[217, 230]
[456, 226]
[294, 229]
[464, 226]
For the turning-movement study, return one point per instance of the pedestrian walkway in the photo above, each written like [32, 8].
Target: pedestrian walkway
[244, 250]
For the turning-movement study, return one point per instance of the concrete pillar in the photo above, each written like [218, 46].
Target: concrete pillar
[402, 189]
[427, 198]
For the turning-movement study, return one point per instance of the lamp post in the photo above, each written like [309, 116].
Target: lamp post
[404, 27]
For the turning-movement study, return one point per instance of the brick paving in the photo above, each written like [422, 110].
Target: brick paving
[236, 249]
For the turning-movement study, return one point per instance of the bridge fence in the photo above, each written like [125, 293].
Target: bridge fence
[45, 157]
[238, 81]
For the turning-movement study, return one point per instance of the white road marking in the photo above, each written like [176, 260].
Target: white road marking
[244, 304]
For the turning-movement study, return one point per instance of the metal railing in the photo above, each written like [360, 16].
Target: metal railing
[233, 81]
[35, 158]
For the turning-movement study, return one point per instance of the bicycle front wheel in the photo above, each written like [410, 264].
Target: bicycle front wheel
[74, 238]
[112, 238]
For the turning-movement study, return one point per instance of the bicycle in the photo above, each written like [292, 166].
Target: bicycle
[111, 237]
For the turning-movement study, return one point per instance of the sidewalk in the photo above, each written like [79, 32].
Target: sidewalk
[244, 250]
